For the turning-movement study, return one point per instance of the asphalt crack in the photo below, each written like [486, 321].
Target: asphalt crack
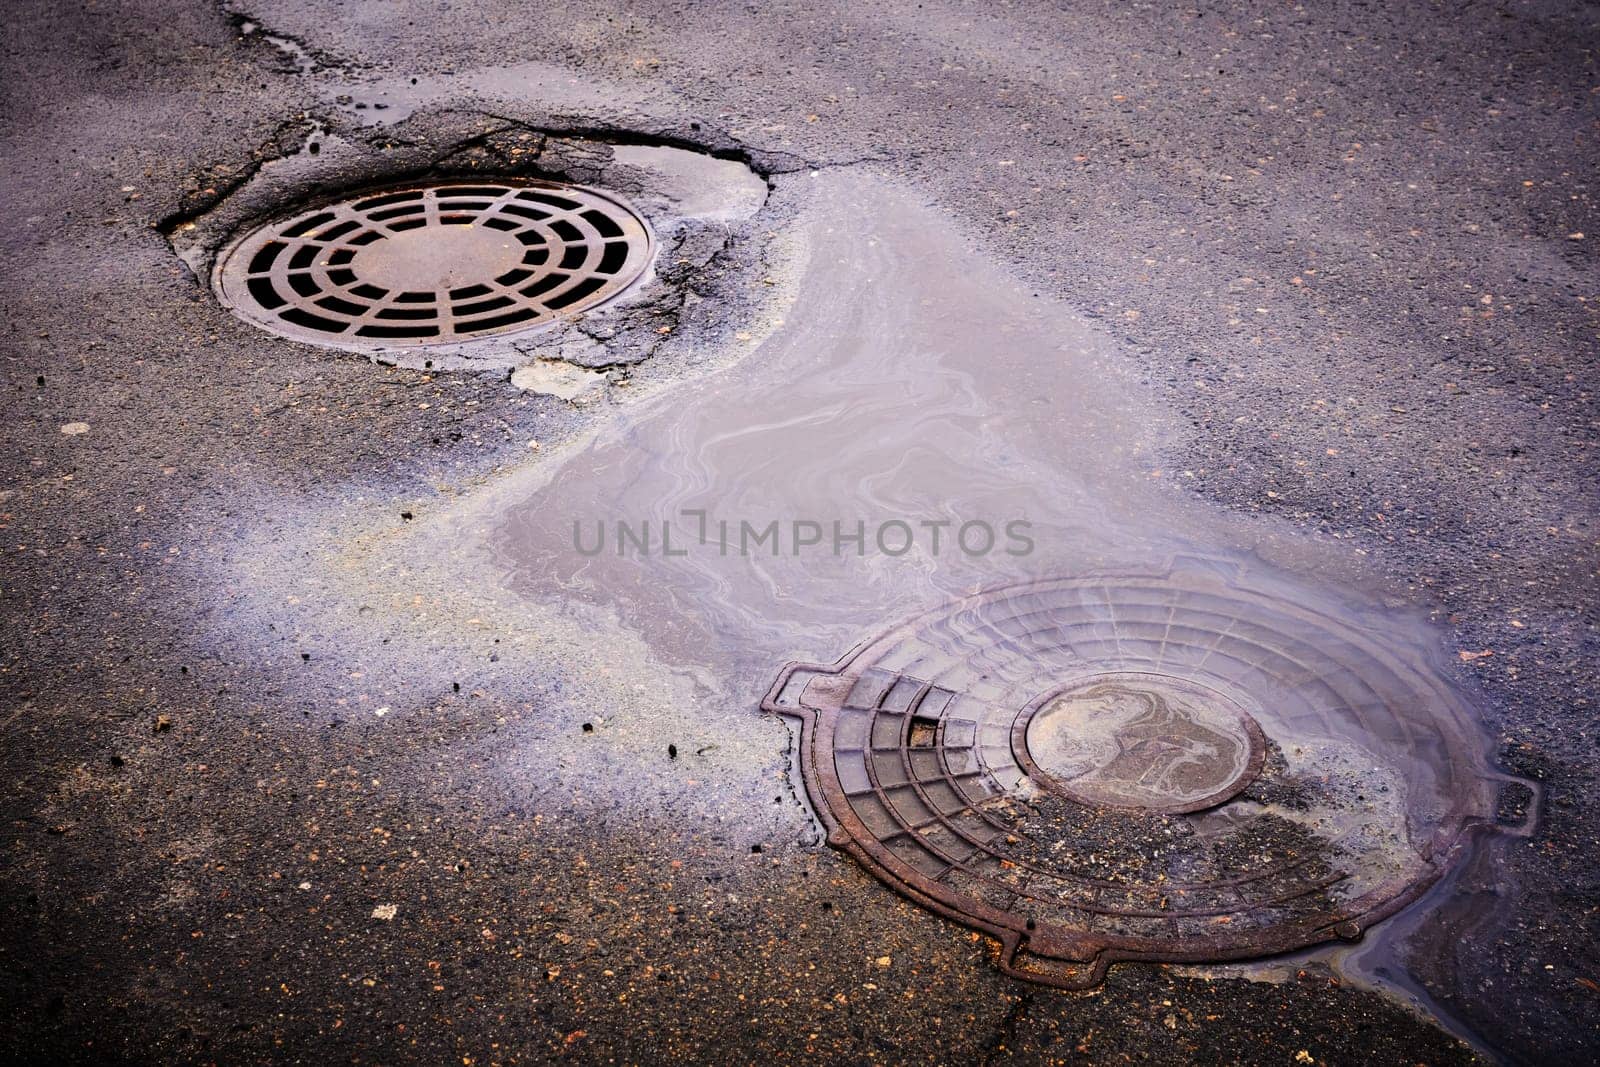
[1005, 1031]
[301, 56]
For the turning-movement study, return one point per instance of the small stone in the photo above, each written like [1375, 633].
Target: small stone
[386, 912]
[73, 429]
[550, 377]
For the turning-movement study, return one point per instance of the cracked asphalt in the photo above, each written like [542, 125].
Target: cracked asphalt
[1354, 245]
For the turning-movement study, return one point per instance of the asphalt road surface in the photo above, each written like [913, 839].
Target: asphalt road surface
[1349, 249]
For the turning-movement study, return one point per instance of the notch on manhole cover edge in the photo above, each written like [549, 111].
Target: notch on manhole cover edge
[913, 750]
[435, 264]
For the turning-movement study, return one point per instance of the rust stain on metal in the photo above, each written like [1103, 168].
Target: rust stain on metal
[1094, 769]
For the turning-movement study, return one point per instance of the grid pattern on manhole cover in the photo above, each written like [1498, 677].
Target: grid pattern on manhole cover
[1111, 768]
[436, 264]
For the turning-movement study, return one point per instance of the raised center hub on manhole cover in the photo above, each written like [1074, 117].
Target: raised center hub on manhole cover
[1178, 766]
[1140, 741]
[435, 264]
[446, 257]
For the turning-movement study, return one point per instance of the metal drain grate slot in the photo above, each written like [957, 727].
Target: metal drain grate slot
[435, 264]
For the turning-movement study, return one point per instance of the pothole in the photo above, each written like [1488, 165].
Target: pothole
[435, 264]
[1172, 766]
[686, 216]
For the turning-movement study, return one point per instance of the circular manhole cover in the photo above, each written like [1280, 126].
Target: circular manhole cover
[1176, 766]
[436, 264]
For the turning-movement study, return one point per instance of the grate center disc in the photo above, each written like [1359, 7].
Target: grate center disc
[443, 257]
[1140, 741]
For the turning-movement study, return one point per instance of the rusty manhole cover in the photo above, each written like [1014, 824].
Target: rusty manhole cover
[1177, 766]
[436, 264]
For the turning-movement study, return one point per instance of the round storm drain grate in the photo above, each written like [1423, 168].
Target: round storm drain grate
[435, 264]
[1178, 766]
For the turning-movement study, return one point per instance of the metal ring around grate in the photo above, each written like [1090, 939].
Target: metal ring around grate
[444, 263]
[1169, 766]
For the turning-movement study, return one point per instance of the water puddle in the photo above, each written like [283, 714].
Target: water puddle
[970, 432]
[920, 426]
